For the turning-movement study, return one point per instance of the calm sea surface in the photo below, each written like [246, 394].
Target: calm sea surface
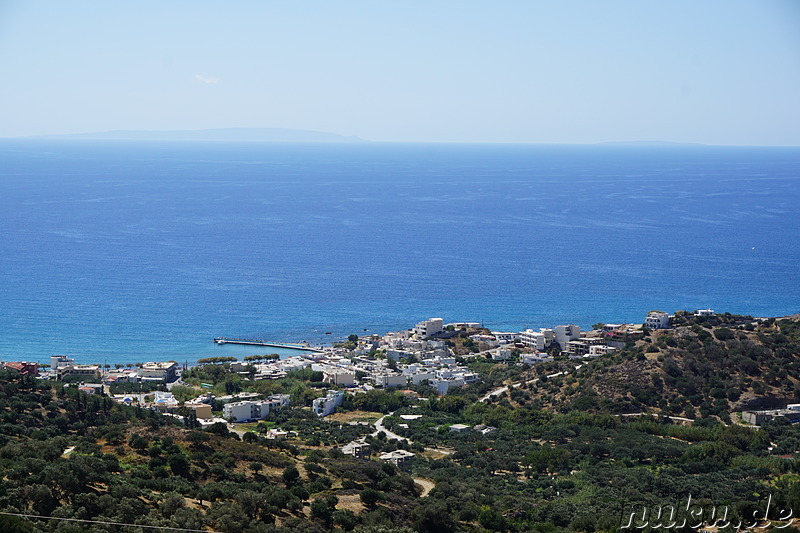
[125, 252]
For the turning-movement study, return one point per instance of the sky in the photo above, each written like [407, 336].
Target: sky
[527, 71]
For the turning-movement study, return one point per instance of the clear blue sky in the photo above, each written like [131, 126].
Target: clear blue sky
[713, 71]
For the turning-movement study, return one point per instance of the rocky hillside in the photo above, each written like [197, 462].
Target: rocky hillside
[701, 367]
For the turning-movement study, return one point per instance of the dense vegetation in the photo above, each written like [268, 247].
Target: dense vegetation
[570, 452]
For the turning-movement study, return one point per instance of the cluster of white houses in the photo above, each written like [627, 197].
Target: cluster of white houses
[420, 355]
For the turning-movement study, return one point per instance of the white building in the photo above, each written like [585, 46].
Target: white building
[429, 327]
[254, 410]
[705, 312]
[164, 400]
[601, 349]
[657, 320]
[78, 370]
[58, 361]
[328, 404]
[534, 339]
[164, 372]
[532, 358]
[396, 355]
[338, 377]
[443, 385]
[276, 401]
[467, 325]
[564, 334]
[505, 337]
[419, 377]
[390, 380]
[501, 355]
[247, 410]
[487, 339]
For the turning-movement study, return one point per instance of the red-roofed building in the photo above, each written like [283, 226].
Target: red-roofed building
[24, 368]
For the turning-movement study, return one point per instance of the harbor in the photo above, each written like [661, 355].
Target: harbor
[255, 342]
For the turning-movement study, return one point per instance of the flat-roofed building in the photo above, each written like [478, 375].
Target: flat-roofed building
[327, 404]
[564, 334]
[88, 371]
[238, 411]
[599, 350]
[399, 458]
[338, 377]
[505, 337]
[429, 327]
[164, 401]
[657, 320]
[58, 361]
[163, 371]
[534, 339]
[357, 448]
[201, 410]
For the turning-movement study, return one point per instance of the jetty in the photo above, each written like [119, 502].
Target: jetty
[255, 342]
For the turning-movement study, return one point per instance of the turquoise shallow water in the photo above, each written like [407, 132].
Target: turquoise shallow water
[134, 251]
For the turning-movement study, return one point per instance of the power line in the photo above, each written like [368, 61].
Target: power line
[108, 523]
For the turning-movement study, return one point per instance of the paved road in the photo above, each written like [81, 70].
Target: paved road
[389, 434]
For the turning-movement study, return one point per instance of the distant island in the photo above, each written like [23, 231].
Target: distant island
[218, 134]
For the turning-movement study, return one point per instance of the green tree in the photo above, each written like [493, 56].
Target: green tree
[290, 475]
[369, 496]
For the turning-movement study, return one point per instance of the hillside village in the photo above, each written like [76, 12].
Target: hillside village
[431, 353]
[441, 427]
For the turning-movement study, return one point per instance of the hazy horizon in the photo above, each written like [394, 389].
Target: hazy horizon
[313, 136]
[717, 72]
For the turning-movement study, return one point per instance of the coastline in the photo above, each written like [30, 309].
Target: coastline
[188, 354]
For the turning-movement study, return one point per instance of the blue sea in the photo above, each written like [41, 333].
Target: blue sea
[136, 251]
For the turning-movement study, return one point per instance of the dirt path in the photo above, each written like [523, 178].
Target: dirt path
[426, 484]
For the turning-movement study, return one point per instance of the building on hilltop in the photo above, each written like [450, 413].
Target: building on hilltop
[464, 325]
[657, 320]
[705, 312]
[429, 327]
